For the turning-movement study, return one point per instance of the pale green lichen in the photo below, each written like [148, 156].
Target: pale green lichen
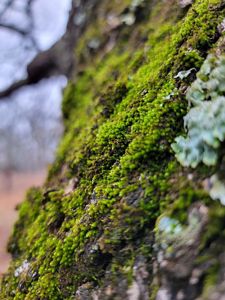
[217, 189]
[170, 231]
[205, 122]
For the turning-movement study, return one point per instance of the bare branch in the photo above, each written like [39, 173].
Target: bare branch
[42, 66]
[29, 13]
[30, 16]
[14, 87]
[22, 32]
[7, 6]
[34, 43]
[57, 60]
[14, 28]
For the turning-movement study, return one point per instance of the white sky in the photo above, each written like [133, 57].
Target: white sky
[30, 122]
[50, 18]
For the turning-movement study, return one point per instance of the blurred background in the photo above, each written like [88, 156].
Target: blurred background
[30, 118]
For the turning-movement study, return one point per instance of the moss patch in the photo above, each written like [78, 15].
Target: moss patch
[114, 167]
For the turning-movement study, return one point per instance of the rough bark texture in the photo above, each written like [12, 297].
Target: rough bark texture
[92, 232]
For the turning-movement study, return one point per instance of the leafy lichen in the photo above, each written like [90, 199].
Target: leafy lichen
[205, 121]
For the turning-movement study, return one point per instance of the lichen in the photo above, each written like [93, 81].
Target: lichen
[205, 121]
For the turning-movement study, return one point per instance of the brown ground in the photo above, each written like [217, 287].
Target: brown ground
[13, 187]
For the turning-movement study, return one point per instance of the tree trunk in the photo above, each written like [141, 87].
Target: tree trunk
[119, 217]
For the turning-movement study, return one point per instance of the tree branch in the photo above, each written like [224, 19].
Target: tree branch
[14, 28]
[15, 86]
[7, 6]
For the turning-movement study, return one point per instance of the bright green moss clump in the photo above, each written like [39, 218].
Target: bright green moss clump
[92, 224]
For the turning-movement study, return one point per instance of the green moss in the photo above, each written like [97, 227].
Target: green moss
[121, 115]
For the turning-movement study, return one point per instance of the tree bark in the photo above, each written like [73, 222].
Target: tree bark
[119, 217]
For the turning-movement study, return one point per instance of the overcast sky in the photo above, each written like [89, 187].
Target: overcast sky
[46, 25]
[30, 123]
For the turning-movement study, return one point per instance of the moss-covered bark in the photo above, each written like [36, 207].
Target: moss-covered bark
[95, 230]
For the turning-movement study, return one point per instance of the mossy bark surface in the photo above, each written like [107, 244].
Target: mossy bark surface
[93, 230]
